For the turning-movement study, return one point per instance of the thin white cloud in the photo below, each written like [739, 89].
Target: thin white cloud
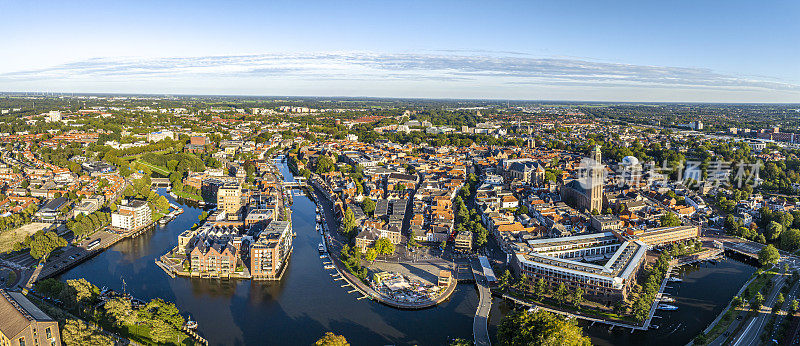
[449, 68]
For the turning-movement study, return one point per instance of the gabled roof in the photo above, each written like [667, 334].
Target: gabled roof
[18, 313]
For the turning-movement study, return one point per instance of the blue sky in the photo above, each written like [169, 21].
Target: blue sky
[700, 51]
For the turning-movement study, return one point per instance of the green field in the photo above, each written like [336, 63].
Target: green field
[9, 238]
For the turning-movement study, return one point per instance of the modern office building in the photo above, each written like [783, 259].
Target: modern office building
[602, 264]
[270, 253]
[24, 324]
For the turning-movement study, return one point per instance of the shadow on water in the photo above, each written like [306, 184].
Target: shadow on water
[295, 311]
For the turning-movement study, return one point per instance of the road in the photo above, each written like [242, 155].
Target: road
[791, 295]
[480, 324]
[751, 333]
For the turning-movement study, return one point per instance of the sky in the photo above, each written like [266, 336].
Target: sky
[668, 51]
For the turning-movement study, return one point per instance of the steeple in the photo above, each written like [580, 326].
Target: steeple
[596, 155]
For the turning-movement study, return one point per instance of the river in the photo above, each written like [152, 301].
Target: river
[295, 311]
[307, 302]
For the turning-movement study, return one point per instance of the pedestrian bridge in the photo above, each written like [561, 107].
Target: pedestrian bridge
[160, 181]
[298, 182]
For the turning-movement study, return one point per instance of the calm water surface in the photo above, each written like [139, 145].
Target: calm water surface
[307, 302]
[295, 311]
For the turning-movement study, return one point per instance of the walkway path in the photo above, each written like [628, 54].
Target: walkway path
[480, 324]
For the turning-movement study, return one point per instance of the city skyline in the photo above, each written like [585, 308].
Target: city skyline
[681, 52]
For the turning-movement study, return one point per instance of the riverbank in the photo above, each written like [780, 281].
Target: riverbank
[299, 309]
[357, 283]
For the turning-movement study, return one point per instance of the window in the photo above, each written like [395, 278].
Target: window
[21, 341]
[48, 333]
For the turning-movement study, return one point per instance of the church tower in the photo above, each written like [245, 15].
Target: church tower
[595, 181]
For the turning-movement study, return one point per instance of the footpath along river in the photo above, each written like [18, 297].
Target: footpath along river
[295, 311]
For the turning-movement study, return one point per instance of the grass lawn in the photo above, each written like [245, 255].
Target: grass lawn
[187, 195]
[141, 334]
[731, 313]
[9, 238]
[586, 308]
[162, 170]
[723, 324]
[759, 283]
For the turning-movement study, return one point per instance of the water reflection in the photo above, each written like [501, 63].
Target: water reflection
[296, 310]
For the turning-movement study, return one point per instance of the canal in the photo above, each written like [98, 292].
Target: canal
[295, 311]
[307, 302]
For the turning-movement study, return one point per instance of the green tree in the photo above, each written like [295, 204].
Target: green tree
[505, 280]
[120, 311]
[384, 246]
[790, 239]
[540, 288]
[324, 165]
[348, 222]
[731, 224]
[172, 165]
[539, 328]
[461, 342]
[158, 309]
[768, 255]
[757, 301]
[670, 220]
[371, 254]
[43, 244]
[701, 339]
[162, 204]
[85, 291]
[78, 333]
[368, 205]
[161, 331]
[737, 302]
[577, 297]
[561, 294]
[330, 339]
[773, 230]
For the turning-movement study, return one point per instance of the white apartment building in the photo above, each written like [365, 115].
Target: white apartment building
[131, 215]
